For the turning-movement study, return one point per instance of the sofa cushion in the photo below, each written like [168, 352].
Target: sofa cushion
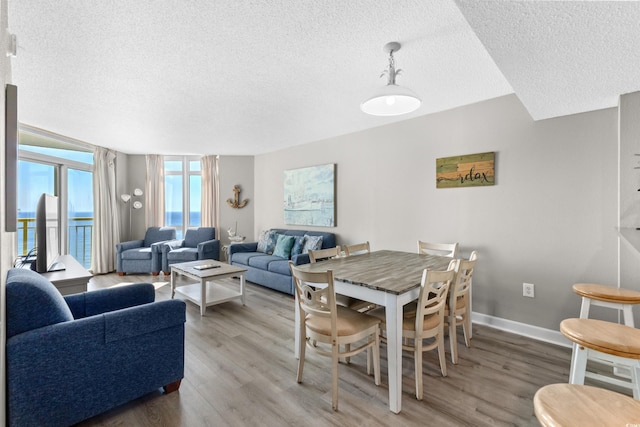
[283, 246]
[138, 253]
[267, 241]
[311, 243]
[32, 302]
[183, 254]
[262, 262]
[244, 257]
[280, 266]
[298, 244]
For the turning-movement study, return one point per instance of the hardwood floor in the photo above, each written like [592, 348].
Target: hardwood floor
[240, 370]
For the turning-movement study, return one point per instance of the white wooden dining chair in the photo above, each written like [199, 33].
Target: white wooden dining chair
[326, 326]
[427, 323]
[458, 311]
[358, 248]
[441, 249]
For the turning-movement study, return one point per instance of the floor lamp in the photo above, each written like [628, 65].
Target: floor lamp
[129, 199]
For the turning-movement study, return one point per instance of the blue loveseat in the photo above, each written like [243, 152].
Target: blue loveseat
[70, 358]
[269, 270]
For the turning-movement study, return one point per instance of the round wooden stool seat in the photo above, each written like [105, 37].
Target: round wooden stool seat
[580, 405]
[607, 293]
[606, 337]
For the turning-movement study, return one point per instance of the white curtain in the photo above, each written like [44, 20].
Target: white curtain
[154, 191]
[210, 215]
[106, 227]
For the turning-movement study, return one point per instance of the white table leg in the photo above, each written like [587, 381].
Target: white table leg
[242, 288]
[173, 283]
[203, 296]
[394, 353]
[296, 327]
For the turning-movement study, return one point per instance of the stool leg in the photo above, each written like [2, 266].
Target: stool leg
[635, 379]
[628, 315]
[584, 308]
[578, 365]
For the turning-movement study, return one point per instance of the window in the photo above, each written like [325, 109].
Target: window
[55, 165]
[182, 193]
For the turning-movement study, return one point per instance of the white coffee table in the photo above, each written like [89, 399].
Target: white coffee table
[206, 289]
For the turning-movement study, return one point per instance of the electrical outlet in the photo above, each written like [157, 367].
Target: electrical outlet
[528, 290]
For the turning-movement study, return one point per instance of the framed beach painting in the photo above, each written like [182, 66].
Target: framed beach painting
[309, 196]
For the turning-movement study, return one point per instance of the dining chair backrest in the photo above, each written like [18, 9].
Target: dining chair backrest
[462, 283]
[441, 249]
[314, 299]
[433, 295]
[358, 248]
[320, 254]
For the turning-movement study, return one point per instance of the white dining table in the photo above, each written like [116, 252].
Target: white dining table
[386, 278]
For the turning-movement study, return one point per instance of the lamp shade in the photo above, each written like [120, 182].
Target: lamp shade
[391, 100]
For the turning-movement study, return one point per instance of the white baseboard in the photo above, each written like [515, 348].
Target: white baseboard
[535, 332]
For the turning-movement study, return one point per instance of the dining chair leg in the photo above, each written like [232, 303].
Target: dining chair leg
[347, 348]
[441, 354]
[334, 377]
[466, 328]
[417, 357]
[376, 360]
[302, 345]
[453, 343]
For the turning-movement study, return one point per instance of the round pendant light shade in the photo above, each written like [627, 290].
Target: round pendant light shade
[391, 100]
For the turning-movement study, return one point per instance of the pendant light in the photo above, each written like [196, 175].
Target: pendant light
[391, 100]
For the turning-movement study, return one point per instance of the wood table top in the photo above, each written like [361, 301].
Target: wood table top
[607, 293]
[389, 271]
[221, 269]
[606, 337]
[580, 405]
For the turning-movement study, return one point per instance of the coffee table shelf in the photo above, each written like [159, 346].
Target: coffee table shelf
[206, 289]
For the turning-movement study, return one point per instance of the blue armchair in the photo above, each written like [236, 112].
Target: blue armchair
[143, 256]
[198, 243]
[70, 358]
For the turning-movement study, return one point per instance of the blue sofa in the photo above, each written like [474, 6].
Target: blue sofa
[70, 358]
[269, 270]
[144, 255]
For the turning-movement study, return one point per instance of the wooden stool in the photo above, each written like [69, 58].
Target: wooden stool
[607, 296]
[560, 405]
[616, 344]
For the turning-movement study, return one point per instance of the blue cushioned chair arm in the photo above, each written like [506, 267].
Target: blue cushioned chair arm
[209, 249]
[300, 259]
[243, 247]
[105, 300]
[172, 244]
[132, 244]
[135, 321]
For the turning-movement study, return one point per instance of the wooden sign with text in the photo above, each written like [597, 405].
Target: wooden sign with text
[472, 170]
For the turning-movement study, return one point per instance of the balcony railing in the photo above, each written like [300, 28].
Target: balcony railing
[80, 234]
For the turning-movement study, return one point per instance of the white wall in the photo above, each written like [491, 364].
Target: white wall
[550, 219]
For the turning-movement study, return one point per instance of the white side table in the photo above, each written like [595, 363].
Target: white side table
[233, 241]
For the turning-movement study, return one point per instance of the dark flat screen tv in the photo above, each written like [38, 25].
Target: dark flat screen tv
[48, 235]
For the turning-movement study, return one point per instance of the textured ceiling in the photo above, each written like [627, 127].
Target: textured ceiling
[248, 77]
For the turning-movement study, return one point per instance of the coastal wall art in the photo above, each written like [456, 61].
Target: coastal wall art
[309, 196]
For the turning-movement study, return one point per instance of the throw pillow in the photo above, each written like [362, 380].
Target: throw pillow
[267, 241]
[311, 243]
[283, 246]
[297, 246]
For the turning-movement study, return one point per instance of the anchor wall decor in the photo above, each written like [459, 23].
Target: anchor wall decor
[236, 203]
